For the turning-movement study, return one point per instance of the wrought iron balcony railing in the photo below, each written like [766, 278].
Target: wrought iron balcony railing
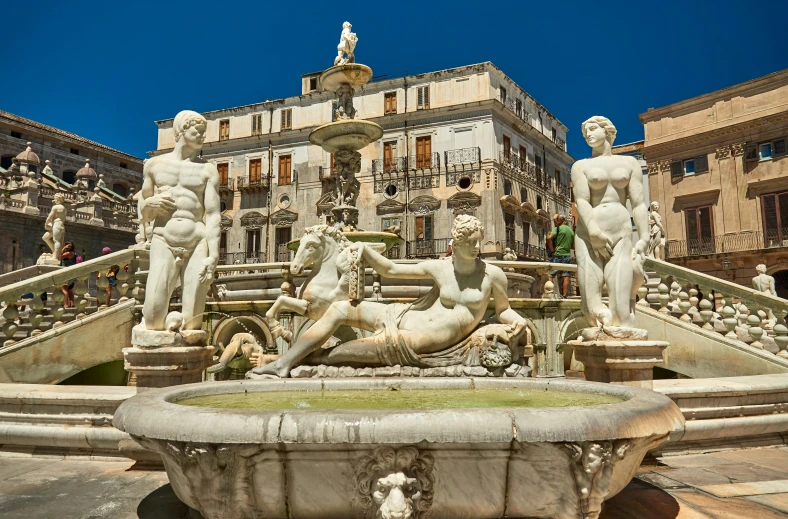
[225, 184]
[518, 110]
[727, 243]
[247, 182]
[393, 165]
[425, 161]
[427, 248]
[561, 143]
[527, 251]
[463, 156]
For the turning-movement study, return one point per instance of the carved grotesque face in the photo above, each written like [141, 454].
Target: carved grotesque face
[310, 251]
[595, 134]
[394, 495]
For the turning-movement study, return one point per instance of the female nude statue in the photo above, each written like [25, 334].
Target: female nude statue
[656, 244]
[605, 256]
[408, 334]
[56, 231]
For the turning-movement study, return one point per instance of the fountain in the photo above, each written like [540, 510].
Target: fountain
[461, 431]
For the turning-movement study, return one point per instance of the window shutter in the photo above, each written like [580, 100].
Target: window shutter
[701, 164]
[704, 216]
[779, 147]
[420, 92]
[692, 224]
[751, 153]
[676, 170]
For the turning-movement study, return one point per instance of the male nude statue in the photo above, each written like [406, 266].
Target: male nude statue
[56, 231]
[347, 44]
[180, 195]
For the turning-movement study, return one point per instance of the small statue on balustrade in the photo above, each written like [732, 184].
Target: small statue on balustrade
[347, 46]
[56, 232]
[656, 244]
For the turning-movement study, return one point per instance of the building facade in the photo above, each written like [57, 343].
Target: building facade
[464, 140]
[635, 149]
[38, 162]
[717, 165]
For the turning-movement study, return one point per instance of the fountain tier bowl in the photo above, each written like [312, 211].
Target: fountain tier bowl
[354, 74]
[558, 462]
[346, 134]
[380, 241]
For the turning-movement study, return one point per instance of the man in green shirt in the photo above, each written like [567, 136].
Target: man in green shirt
[560, 243]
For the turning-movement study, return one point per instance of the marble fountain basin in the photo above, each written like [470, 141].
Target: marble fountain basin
[399, 448]
[346, 134]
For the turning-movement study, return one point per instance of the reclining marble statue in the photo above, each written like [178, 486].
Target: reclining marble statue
[436, 330]
[602, 186]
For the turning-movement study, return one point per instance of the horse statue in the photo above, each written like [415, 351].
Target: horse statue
[325, 249]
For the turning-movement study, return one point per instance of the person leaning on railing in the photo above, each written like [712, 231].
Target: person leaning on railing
[560, 242]
[68, 257]
[111, 275]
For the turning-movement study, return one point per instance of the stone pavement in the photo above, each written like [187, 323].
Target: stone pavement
[739, 484]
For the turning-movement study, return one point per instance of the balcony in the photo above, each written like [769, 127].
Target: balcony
[561, 143]
[225, 184]
[427, 248]
[283, 253]
[251, 183]
[391, 165]
[462, 156]
[425, 161]
[517, 110]
[725, 244]
[527, 252]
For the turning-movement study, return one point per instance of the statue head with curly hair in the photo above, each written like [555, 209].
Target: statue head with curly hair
[597, 130]
[467, 233]
[184, 122]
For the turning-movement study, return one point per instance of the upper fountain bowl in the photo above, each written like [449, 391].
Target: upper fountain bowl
[347, 134]
[355, 74]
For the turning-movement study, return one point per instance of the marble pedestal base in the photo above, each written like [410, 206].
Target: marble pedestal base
[617, 359]
[47, 259]
[164, 358]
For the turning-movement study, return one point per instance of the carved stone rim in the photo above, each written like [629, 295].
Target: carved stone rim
[153, 414]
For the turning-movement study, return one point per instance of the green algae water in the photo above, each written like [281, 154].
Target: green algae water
[399, 399]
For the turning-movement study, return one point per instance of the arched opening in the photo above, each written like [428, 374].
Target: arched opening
[108, 374]
[70, 176]
[781, 283]
[6, 161]
[121, 189]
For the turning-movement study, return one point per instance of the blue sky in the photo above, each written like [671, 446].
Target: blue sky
[107, 70]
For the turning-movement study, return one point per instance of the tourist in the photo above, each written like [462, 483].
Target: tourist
[112, 275]
[560, 242]
[67, 259]
[448, 249]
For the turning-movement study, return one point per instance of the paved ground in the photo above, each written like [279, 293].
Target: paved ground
[727, 485]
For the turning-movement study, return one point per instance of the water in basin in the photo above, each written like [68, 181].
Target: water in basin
[399, 399]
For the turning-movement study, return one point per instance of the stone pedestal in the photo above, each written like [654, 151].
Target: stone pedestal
[165, 358]
[622, 356]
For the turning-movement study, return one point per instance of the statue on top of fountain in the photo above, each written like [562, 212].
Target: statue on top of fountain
[436, 330]
[602, 185]
[347, 44]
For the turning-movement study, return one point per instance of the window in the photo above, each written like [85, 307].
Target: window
[389, 152]
[390, 103]
[124, 165]
[6, 161]
[252, 243]
[282, 238]
[18, 135]
[312, 83]
[423, 98]
[257, 124]
[775, 219]
[765, 151]
[689, 167]
[554, 134]
[287, 119]
[74, 151]
[523, 194]
[224, 174]
[224, 129]
[223, 241]
[424, 243]
[255, 171]
[539, 202]
[518, 108]
[70, 176]
[387, 223]
[502, 92]
[285, 171]
[507, 148]
[779, 147]
[508, 220]
[557, 176]
[121, 189]
[523, 157]
[507, 187]
[423, 152]
[700, 232]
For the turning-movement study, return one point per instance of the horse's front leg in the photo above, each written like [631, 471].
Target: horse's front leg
[284, 304]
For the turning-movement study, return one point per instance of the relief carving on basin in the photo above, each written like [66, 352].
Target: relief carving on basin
[551, 462]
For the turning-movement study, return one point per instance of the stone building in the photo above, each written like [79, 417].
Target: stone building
[635, 149]
[39, 161]
[717, 165]
[463, 140]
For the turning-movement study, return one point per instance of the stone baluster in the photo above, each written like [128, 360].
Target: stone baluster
[693, 301]
[36, 314]
[664, 298]
[139, 291]
[781, 334]
[57, 306]
[706, 311]
[684, 306]
[729, 321]
[123, 285]
[82, 295]
[755, 331]
[675, 288]
[101, 289]
[642, 294]
[10, 313]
